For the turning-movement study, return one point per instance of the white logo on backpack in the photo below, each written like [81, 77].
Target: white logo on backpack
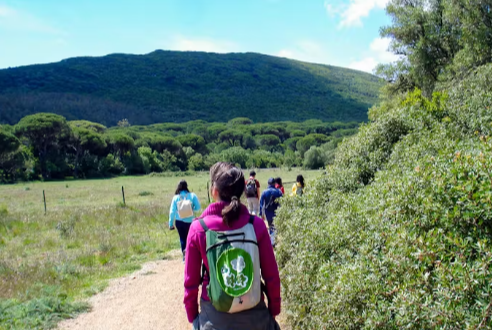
[253, 296]
[185, 207]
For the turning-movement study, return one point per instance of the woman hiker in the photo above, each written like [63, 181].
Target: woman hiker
[298, 187]
[182, 211]
[235, 250]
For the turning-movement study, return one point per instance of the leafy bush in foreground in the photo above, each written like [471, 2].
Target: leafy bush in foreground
[40, 313]
[398, 234]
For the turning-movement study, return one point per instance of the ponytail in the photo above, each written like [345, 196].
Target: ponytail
[232, 211]
[229, 181]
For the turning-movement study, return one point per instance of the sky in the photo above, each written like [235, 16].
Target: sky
[336, 32]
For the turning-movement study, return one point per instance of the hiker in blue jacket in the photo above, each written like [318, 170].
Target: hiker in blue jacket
[181, 212]
[268, 206]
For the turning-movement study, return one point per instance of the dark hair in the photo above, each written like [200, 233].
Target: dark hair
[279, 181]
[229, 182]
[300, 179]
[252, 173]
[182, 186]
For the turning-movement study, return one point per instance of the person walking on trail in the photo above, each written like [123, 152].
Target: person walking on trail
[268, 206]
[252, 192]
[279, 185]
[228, 254]
[182, 211]
[298, 187]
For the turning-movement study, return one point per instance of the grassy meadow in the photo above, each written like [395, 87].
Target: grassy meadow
[50, 262]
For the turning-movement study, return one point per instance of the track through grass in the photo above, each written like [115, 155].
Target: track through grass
[49, 262]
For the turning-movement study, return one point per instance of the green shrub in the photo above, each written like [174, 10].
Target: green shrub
[39, 313]
[313, 158]
[470, 102]
[196, 163]
[398, 235]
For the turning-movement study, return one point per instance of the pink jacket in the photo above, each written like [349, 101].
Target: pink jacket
[195, 254]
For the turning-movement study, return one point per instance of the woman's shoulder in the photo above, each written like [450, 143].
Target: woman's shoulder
[196, 223]
[259, 225]
[196, 226]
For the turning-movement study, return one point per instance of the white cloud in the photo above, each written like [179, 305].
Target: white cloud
[378, 53]
[286, 53]
[334, 9]
[367, 64]
[307, 51]
[202, 44]
[380, 47]
[15, 20]
[351, 13]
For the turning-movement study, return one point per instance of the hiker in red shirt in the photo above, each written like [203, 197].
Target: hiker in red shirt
[235, 250]
[279, 185]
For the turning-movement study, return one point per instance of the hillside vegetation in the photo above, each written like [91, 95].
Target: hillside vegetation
[398, 233]
[166, 86]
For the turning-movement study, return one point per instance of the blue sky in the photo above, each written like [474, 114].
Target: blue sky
[337, 32]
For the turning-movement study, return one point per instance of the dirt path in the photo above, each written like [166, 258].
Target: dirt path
[148, 299]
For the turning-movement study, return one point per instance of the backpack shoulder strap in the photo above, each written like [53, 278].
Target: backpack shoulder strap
[204, 226]
[204, 269]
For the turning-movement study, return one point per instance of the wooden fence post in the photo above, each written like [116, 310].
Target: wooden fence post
[123, 193]
[208, 191]
[44, 200]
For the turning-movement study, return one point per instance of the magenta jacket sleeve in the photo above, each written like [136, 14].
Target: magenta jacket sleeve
[269, 271]
[192, 274]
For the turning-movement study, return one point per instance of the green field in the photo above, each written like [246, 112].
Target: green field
[86, 237]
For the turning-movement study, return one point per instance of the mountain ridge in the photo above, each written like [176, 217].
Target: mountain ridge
[171, 86]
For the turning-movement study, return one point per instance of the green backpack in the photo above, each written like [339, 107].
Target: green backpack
[234, 268]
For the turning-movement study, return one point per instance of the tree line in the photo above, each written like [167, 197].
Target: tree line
[47, 146]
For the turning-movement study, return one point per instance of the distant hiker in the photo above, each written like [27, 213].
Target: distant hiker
[268, 206]
[279, 185]
[182, 212]
[228, 254]
[252, 192]
[298, 187]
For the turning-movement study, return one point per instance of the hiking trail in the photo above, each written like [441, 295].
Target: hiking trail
[151, 298]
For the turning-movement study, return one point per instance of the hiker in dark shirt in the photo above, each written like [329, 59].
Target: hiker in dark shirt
[268, 206]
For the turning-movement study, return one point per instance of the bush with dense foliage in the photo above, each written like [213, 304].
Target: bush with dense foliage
[398, 234]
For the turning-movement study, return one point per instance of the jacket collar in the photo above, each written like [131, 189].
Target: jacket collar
[216, 209]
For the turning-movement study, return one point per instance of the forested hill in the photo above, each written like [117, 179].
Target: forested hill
[167, 86]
